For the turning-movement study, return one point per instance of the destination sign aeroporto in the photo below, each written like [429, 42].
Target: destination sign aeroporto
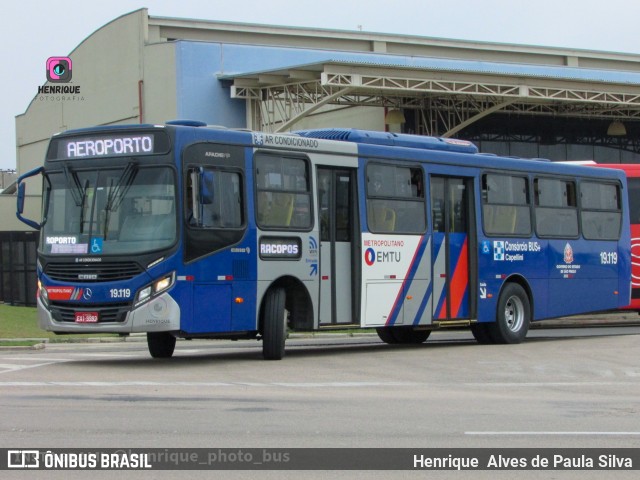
[108, 145]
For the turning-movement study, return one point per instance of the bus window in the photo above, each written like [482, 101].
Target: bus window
[395, 199]
[601, 213]
[505, 205]
[556, 207]
[216, 198]
[214, 210]
[633, 187]
[283, 197]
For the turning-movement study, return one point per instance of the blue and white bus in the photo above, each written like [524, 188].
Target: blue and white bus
[188, 231]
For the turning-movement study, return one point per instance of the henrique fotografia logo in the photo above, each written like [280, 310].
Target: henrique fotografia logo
[59, 73]
[59, 69]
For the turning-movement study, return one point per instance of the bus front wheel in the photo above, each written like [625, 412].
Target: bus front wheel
[274, 325]
[513, 315]
[161, 344]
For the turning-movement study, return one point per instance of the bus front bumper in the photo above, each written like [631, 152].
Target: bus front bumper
[161, 314]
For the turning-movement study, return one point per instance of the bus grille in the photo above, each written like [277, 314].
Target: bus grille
[107, 312]
[92, 273]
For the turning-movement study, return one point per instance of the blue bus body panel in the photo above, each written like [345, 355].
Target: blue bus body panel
[220, 293]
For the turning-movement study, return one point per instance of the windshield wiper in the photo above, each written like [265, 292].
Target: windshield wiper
[74, 183]
[82, 202]
[117, 193]
[78, 192]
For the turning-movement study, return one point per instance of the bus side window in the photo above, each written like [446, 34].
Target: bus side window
[215, 199]
[395, 199]
[283, 193]
[601, 211]
[505, 205]
[556, 207]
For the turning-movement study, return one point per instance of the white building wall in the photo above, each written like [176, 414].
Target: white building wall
[159, 88]
[366, 118]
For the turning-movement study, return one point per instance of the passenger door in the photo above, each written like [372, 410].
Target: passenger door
[452, 212]
[336, 203]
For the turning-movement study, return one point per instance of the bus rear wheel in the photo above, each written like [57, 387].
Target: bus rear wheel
[513, 315]
[402, 335]
[161, 344]
[274, 325]
[386, 335]
[481, 332]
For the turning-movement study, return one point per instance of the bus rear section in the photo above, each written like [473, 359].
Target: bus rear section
[453, 238]
[632, 171]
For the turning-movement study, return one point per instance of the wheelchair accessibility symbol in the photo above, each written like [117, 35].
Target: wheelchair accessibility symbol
[96, 245]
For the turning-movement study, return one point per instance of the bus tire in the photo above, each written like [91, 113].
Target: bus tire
[481, 333]
[274, 325]
[386, 335]
[402, 335]
[161, 344]
[512, 316]
[409, 336]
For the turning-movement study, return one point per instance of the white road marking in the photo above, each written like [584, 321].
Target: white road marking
[554, 433]
[15, 368]
[135, 383]
[549, 384]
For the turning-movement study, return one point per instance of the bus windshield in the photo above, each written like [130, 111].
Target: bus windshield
[109, 211]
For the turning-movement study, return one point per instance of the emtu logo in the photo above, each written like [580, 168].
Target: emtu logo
[369, 256]
[59, 69]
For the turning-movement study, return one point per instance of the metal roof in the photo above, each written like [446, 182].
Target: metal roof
[459, 66]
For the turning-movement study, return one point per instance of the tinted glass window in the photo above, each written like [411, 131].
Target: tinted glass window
[505, 205]
[556, 211]
[601, 213]
[395, 199]
[283, 194]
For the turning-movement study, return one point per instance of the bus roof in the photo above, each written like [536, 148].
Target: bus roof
[372, 140]
[390, 139]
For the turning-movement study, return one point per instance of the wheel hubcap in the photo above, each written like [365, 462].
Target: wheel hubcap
[514, 313]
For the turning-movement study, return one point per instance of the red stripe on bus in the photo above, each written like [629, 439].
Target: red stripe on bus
[460, 281]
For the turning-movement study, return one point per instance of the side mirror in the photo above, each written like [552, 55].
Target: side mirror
[22, 193]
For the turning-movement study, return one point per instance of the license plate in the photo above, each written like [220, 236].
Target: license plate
[86, 317]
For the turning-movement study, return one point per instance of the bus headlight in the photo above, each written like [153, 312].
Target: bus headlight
[44, 295]
[155, 288]
[162, 284]
[144, 294]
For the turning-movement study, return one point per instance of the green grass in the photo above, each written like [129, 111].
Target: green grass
[22, 322]
[19, 343]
